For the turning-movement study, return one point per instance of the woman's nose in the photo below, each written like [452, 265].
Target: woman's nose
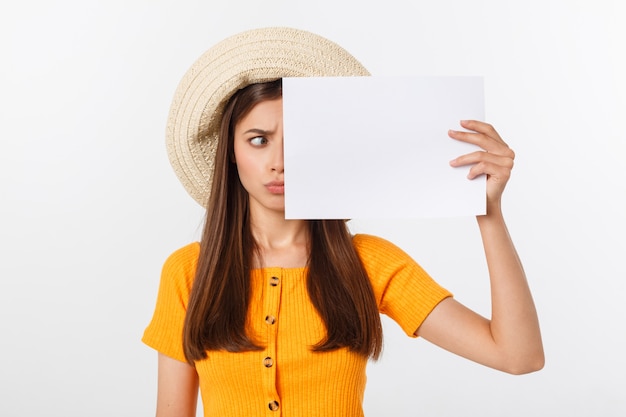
[278, 158]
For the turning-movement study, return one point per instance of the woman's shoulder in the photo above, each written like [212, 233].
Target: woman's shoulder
[370, 243]
[375, 249]
[183, 261]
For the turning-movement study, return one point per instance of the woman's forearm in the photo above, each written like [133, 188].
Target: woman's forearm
[514, 323]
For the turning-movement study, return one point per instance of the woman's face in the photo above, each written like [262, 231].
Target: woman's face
[258, 144]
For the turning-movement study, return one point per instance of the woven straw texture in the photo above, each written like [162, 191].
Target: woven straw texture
[250, 57]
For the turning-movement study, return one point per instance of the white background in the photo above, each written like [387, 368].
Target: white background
[90, 207]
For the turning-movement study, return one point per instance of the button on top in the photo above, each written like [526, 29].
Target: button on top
[270, 319]
[273, 405]
[274, 281]
[268, 362]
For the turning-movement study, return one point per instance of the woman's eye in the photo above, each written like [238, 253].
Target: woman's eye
[258, 141]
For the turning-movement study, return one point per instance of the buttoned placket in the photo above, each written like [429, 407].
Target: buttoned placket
[273, 277]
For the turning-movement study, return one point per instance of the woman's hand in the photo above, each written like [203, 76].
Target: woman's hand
[494, 160]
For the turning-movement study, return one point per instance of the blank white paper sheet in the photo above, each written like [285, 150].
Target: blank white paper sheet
[378, 147]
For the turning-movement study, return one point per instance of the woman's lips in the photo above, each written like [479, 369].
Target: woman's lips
[276, 187]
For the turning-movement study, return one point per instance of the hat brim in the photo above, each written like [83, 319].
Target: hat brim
[249, 57]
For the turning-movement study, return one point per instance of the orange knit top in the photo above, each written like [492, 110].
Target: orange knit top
[287, 378]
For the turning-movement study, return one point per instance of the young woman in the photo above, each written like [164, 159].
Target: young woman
[270, 316]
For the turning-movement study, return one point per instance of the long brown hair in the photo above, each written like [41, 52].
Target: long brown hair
[337, 283]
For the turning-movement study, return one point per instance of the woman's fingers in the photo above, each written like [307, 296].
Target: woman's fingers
[483, 159]
[480, 127]
[494, 160]
[484, 136]
[495, 173]
[487, 138]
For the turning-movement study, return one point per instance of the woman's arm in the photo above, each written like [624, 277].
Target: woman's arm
[177, 394]
[511, 340]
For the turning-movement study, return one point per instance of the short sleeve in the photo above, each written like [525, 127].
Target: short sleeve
[403, 290]
[165, 331]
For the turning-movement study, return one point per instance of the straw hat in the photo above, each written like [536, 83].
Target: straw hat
[249, 57]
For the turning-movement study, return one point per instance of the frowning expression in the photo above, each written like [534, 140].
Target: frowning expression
[258, 145]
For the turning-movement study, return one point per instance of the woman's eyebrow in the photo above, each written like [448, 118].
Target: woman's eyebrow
[258, 131]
